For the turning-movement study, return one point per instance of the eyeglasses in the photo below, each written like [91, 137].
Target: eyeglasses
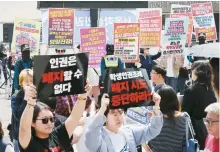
[209, 122]
[46, 120]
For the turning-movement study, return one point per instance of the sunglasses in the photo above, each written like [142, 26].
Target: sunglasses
[209, 122]
[46, 120]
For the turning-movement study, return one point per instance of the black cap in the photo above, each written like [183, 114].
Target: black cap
[25, 47]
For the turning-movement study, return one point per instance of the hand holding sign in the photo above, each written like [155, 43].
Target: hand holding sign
[30, 93]
[88, 89]
[105, 101]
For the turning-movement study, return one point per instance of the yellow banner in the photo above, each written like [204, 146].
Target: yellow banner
[26, 32]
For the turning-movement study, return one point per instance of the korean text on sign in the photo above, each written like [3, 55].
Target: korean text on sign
[128, 88]
[203, 20]
[180, 11]
[151, 26]
[93, 40]
[61, 74]
[174, 37]
[61, 27]
[126, 41]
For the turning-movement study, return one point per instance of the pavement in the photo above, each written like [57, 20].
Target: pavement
[5, 107]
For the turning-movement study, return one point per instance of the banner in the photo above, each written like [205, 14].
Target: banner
[127, 87]
[203, 20]
[26, 32]
[59, 75]
[151, 26]
[82, 20]
[61, 27]
[174, 37]
[126, 41]
[93, 40]
[181, 11]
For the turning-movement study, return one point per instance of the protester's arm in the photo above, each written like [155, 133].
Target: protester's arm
[16, 75]
[150, 131]
[73, 120]
[93, 132]
[27, 116]
[154, 57]
[77, 134]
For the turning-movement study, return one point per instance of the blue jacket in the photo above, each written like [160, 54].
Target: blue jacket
[147, 62]
[17, 105]
[97, 139]
[19, 66]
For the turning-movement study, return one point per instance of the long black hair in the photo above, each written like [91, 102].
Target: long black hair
[169, 101]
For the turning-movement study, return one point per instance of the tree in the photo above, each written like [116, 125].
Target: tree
[2, 50]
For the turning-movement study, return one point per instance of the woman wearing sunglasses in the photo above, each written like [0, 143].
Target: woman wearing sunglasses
[38, 116]
[106, 132]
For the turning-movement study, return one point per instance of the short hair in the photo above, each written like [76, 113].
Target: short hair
[203, 71]
[160, 70]
[169, 101]
[214, 107]
[24, 73]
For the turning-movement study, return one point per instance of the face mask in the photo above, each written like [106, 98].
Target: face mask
[201, 41]
[26, 55]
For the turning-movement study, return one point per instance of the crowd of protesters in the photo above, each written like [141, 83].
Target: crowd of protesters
[85, 123]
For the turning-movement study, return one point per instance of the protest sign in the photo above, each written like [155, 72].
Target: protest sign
[126, 41]
[59, 75]
[151, 26]
[203, 20]
[61, 27]
[26, 32]
[181, 11]
[174, 37]
[127, 87]
[93, 40]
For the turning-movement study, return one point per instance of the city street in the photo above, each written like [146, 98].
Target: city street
[5, 109]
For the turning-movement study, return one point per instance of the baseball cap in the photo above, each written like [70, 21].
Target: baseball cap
[25, 47]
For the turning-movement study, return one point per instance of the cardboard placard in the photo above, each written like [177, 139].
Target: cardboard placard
[61, 27]
[203, 20]
[150, 20]
[180, 11]
[126, 41]
[127, 87]
[26, 32]
[174, 37]
[60, 75]
[93, 40]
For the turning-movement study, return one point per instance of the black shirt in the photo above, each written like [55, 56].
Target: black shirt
[58, 141]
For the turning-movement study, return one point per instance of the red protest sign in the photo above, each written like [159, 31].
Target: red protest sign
[203, 20]
[61, 27]
[127, 87]
[151, 26]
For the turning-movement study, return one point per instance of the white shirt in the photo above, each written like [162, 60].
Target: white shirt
[170, 72]
[118, 141]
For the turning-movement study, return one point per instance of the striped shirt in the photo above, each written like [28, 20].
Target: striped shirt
[172, 137]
